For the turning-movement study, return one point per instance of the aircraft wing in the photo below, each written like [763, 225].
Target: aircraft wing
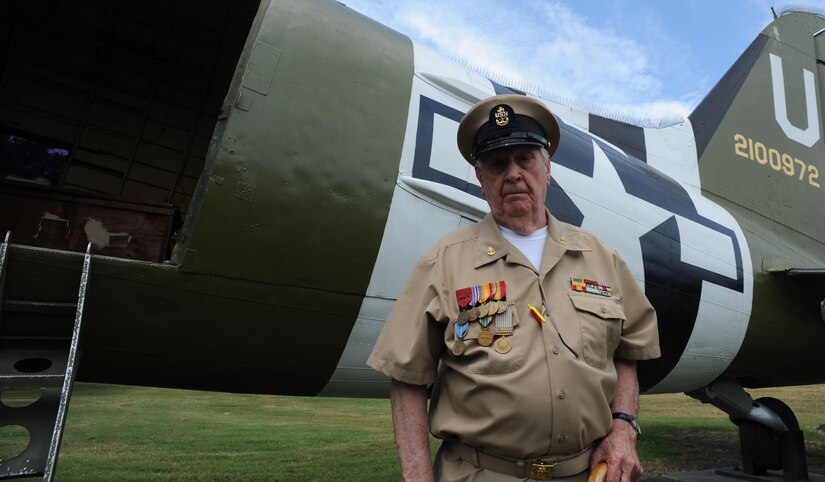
[807, 276]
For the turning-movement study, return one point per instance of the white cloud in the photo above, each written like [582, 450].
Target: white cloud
[538, 46]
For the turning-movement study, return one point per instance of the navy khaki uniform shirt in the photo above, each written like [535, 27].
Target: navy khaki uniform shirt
[540, 398]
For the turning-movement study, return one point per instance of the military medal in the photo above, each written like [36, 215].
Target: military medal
[482, 302]
[504, 327]
[474, 312]
[492, 304]
[463, 297]
[461, 330]
[503, 345]
[484, 308]
[501, 293]
[485, 336]
[458, 348]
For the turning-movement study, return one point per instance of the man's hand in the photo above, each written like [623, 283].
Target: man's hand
[618, 449]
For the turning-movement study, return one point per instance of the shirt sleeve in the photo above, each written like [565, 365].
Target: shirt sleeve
[640, 332]
[412, 340]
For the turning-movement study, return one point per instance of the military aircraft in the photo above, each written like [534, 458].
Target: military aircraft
[255, 179]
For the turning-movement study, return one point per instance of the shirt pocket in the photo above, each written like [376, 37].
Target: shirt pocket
[600, 319]
[485, 360]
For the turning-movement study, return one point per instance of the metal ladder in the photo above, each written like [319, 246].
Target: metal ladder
[39, 364]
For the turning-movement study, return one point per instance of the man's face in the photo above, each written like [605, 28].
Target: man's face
[514, 181]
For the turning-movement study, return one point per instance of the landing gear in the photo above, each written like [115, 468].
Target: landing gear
[768, 434]
[763, 449]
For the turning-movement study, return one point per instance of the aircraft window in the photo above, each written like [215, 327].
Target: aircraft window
[29, 160]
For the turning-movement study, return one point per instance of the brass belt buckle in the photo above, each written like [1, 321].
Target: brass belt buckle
[541, 471]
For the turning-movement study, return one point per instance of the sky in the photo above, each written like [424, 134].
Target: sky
[649, 59]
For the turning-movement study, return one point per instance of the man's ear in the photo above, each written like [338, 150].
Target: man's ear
[480, 178]
[548, 172]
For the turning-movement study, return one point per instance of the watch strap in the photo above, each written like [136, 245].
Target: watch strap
[629, 419]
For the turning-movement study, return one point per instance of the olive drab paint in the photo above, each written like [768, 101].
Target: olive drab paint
[333, 165]
[763, 162]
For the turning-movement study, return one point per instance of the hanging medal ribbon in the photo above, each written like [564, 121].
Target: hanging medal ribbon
[463, 297]
[483, 308]
[501, 305]
[504, 327]
[474, 312]
[485, 336]
[461, 330]
[504, 323]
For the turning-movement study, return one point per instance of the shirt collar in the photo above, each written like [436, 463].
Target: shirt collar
[491, 245]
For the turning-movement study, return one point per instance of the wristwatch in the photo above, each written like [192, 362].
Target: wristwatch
[631, 420]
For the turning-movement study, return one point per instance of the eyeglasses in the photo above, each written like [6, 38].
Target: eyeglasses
[497, 163]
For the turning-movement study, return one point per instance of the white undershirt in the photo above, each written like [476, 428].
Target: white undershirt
[531, 245]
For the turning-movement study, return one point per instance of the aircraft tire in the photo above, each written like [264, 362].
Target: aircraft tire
[762, 442]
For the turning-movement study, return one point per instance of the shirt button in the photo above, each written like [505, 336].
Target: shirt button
[562, 394]
[562, 438]
[604, 310]
[555, 350]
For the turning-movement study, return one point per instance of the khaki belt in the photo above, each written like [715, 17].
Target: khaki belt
[541, 468]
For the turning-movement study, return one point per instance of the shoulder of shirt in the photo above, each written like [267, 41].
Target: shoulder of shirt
[459, 236]
[462, 235]
[585, 237]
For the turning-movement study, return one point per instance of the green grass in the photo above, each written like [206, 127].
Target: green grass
[132, 433]
[181, 435]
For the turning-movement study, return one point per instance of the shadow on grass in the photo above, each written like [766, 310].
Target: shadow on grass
[666, 449]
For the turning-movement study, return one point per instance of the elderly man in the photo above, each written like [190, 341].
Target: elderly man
[537, 326]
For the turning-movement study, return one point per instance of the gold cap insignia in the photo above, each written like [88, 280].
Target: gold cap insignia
[501, 115]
